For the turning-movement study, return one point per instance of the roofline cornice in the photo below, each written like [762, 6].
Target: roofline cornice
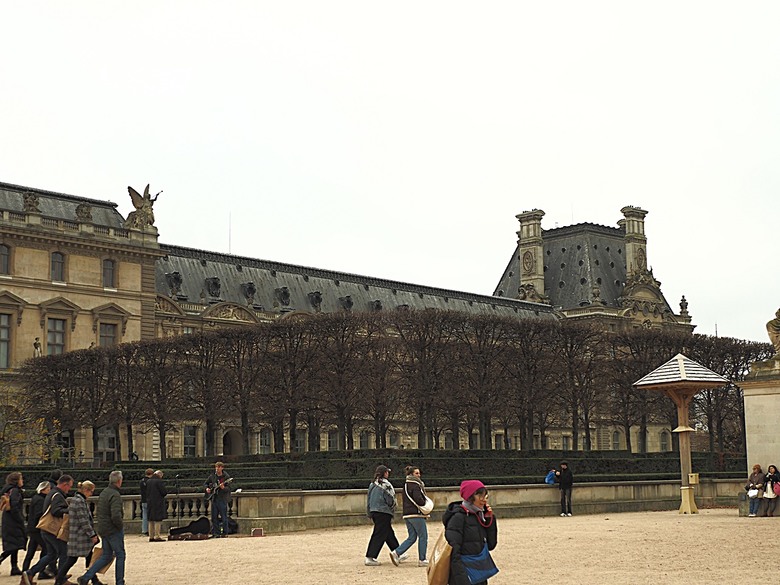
[23, 189]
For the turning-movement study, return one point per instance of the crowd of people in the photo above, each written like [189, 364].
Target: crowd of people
[763, 490]
[63, 528]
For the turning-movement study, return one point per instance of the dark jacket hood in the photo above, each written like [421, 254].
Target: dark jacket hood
[452, 509]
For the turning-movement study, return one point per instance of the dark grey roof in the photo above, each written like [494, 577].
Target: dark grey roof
[681, 369]
[59, 205]
[576, 259]
[337, 289]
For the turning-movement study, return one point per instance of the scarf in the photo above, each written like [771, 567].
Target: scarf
[417, 480]
[478, 512]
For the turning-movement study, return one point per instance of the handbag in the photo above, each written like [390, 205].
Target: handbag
[776, 488]
[439, 562]
[64, 532]
[96, 554]
[426, 508]
[752, 493]
[49, 523]
[549, 479]
[479, 567]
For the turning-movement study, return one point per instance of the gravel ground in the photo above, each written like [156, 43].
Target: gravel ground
[715, 546]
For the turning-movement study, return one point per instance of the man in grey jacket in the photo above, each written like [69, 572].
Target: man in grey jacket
[110, 527]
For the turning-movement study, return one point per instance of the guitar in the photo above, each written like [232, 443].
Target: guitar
[215, 487]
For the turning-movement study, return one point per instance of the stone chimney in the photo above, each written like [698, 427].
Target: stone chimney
[636, 241]
[530, 252]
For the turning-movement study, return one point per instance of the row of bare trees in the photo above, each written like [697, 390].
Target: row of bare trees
[447, 372]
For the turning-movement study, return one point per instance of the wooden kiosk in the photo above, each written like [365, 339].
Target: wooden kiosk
[680, 379]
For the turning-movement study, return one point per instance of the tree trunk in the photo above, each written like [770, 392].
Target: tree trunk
[130, 441]
[119, 445]
[277, 427]
[209, 439]
[94, 442]
[246, 432]
[627, 432]
[455, 428]
[350, 427]
[575, 429]
[163, 446]
[293, 432]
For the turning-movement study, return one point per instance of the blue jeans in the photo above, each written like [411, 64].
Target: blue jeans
[145, 518]
[56, 550]
[113, 546]
[754, 505]
[219, 507]
[416, 527]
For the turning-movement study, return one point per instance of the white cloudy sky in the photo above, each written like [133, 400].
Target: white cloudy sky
[400, 140]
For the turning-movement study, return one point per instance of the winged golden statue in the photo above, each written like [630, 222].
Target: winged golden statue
[143, 215]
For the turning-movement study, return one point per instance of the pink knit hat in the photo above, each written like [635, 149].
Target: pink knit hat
[468, 487]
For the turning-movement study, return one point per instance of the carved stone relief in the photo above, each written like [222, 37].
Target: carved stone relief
[213, 286]
[84, 212]
[282, 295]
[315, 299]
[174, 281]
[346, 302]
[249, 290]
[376, 305]
[31, 203]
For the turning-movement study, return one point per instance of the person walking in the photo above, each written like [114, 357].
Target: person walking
[413, 498]
[155, 493]
[111, 530]
[218, 492]
[56, 504]
[470, 526]
[144, 504]
[565, 479]
[770, 497]
[14, 538]
[380, 507]
[34, 513]
[755, 486]
[82, 536]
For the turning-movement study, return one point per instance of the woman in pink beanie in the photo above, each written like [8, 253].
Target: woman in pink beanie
[470, 528]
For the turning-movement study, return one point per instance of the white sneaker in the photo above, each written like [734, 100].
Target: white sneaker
[371, 562]
[562, 514]
[394, 557]
[751, 515]
[403, 557]
[569, 514]
[422, 563]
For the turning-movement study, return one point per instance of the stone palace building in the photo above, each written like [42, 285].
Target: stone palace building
[74, 274]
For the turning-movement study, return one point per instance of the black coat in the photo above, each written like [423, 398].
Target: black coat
[34, 513]
[467, 536]
[14, 537]
[155, 499]
[565, 479]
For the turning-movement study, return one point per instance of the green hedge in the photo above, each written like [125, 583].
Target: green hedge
[354, 469]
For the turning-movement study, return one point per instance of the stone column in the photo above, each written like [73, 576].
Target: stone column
[761, 395]
[635, 239]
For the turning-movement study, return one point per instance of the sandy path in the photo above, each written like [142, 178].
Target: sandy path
[635, 548]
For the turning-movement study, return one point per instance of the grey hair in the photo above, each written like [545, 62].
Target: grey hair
[115, 477]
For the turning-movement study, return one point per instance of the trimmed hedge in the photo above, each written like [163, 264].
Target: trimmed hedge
[354, 469]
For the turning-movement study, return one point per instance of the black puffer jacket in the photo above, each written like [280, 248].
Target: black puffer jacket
[467, 536]
[34, 513]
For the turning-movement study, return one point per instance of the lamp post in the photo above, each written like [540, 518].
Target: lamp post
[680, 379]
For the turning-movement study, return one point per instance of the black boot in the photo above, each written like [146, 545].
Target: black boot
[15, 570]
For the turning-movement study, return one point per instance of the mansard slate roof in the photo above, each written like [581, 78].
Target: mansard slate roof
[577, 258]
[287, 287]
[60, 205]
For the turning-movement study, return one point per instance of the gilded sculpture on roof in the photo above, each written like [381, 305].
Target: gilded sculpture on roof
[143, 215]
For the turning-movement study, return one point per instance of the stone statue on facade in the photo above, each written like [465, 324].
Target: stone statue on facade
[143, 215]
[37, 349]
[773, 329]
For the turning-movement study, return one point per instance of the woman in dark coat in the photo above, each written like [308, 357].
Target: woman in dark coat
[155, 503]
[34, 514]
[14, 538]
[469, 526]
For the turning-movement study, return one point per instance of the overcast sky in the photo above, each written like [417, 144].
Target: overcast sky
[399, 140]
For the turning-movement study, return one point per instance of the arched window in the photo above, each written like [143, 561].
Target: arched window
[5, 259]
[665, 446]
[109, 274]
[616, 441]
[58, 266]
